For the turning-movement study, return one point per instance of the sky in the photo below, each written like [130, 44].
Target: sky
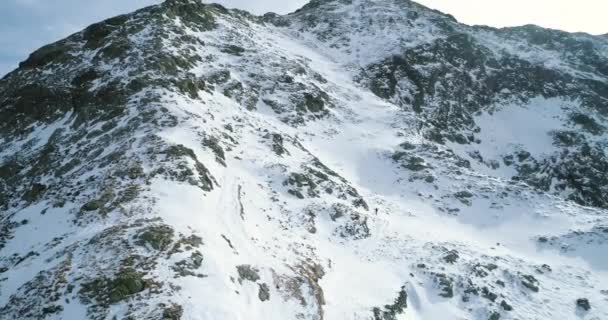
[26, 25]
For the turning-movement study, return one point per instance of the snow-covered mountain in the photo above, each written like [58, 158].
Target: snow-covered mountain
[356, 159]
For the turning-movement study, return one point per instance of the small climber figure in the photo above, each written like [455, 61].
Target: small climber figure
[376, 211]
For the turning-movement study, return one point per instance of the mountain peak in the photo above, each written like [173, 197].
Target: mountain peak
[186, 161]
[195, 4]
[317, 3]
[177, 2]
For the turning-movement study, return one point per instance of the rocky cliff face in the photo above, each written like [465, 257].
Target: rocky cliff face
[356, 159]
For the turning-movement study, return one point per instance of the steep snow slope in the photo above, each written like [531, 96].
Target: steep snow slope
[353, 160]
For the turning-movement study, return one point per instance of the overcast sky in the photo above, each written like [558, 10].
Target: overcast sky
[28, 24]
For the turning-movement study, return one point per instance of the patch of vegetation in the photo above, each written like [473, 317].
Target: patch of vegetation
[35, 192]
[96, 204]
[116, 49]
[157, 237]
[188, 243]
[30, 254]
[409, 161]
[213, 144]
[135, 171]
[72, 164]
[56, 52]
[446, 284]
[565, 138]
[53, 309]
[587, 123]
[183, 171]
[219, 77]
[390, 312]
[276, 20]
[32, 102]
[187, 267]
[314, 103]
[190, 86]
[194, 14]
[98, 32]
[84, 78]
[179, 151]
[106, 291]
[129, 194]
[463, 195]
[494, 316]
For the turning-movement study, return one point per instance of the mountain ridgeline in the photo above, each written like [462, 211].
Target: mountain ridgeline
[355, 159]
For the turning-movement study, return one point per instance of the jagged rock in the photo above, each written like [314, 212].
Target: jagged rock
[390, 312]
[494, 316]
[173, 312]
[451, 256]
[247, 272]
[113, 290]
[530, 282]
[264, 292]
[446, 285]
[505, 306]
[583, 304]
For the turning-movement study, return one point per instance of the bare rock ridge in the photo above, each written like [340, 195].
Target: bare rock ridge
[355, 159]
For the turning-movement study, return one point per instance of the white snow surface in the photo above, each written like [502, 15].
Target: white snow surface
[369, 272]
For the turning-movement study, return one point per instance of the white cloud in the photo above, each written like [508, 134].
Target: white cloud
[569, 15]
